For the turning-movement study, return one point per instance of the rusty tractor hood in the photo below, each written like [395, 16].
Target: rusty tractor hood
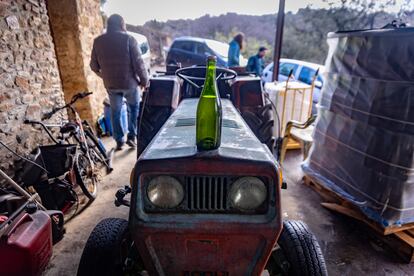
[203, 236]
[177, 138]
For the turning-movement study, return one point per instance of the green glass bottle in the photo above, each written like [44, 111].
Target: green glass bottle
[209, 114]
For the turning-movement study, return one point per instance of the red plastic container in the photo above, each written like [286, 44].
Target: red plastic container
[26, 247]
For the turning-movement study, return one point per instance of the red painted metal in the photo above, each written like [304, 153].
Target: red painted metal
[247, 93]
[164, 91]
[179, 242]
[26, 247]
[184, 243]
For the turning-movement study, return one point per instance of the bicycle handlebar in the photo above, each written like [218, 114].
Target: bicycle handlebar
[27, 122]
[85, 94]
[31, 122]
[76, 97]
[49, 114]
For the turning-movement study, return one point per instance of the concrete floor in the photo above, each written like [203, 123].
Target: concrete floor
[348, 249]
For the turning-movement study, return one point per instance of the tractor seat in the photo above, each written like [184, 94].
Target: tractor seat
[69, 127]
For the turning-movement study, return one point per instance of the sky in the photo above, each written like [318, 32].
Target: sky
[137, 12]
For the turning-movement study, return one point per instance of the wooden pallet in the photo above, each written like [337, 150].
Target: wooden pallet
[399, 239]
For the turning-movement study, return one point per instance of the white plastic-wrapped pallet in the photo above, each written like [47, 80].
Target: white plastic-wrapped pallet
[364, 136]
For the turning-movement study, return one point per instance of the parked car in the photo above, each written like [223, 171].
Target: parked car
[193, 51]
[144, 47]
[302, 71]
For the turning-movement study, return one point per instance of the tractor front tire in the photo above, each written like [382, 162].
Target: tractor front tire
[106, 250]
[298, 252]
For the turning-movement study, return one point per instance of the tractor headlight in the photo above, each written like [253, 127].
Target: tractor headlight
[248, 193]
[165, 192]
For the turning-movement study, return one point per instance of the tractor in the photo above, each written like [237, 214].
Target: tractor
[204, 213]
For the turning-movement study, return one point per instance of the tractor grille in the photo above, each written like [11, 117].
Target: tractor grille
[207, 193]
[202, 273]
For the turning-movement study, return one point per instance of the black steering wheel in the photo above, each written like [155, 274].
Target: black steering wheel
[195, 74]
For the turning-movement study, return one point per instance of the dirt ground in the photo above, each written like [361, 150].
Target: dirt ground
[67, 252]
[348, 249]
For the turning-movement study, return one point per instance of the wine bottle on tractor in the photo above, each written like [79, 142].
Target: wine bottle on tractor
[209, 114]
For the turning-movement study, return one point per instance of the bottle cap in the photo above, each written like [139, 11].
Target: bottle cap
[213, 58]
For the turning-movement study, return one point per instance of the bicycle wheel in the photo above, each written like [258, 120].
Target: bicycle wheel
[93, 142]
[86, 175]
[71, 207]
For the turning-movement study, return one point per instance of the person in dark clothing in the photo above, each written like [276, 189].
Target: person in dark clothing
[255, 64]
[235, 46]
[116, 58]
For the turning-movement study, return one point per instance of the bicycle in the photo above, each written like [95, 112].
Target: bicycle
[50, 171]
[81, 133]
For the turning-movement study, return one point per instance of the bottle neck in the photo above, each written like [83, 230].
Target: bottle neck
[211, 64]
[210, 81]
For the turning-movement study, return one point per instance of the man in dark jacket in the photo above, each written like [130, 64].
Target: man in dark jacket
[255, 64]
[116, 58]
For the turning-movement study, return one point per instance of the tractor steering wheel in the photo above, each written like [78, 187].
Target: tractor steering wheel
[195, 74]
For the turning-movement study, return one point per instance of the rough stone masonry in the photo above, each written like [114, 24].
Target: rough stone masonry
[75, 24]
[29, 76]
[40, 67]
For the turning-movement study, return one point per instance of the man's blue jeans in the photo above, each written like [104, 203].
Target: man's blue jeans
[116, 99]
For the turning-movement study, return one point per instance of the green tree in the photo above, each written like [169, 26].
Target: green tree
[305, 31]
[351, 14]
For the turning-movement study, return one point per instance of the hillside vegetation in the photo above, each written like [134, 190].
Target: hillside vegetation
[304, 32]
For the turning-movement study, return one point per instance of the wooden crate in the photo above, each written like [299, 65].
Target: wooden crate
[399, 239]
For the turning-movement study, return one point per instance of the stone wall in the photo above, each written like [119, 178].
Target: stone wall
[75, 24]
[29, 76]
[91, 26]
